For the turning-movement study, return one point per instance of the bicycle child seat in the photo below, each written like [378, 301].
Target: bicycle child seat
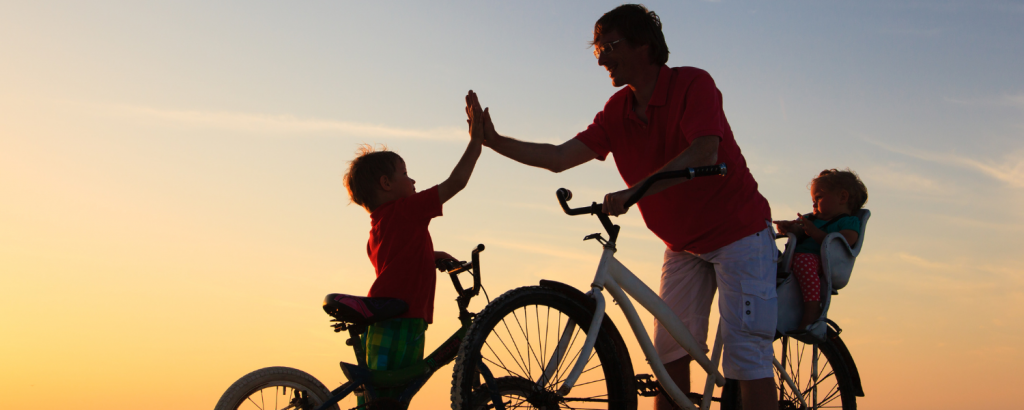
[363, 310]
[837, 258]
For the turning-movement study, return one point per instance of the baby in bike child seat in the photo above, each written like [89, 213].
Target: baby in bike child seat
[837, 195]
[400, 247]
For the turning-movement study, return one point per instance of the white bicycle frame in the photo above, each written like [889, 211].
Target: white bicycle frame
[619, 281]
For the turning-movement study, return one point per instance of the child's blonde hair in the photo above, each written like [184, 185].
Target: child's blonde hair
[364, 173]
[834, 179]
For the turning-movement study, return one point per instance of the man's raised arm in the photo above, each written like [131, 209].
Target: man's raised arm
[554, 158]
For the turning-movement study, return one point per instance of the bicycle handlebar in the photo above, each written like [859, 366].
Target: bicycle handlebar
[689, 173]
[454, 268]
[564, 195]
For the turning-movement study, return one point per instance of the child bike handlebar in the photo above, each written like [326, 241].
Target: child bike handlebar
[454, 268]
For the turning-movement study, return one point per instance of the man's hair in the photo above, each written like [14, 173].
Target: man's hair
[834, 180]
[364, 173]
[638, 26]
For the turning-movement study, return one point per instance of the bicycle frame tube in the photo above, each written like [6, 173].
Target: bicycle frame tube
[716, 355]
[619, 281]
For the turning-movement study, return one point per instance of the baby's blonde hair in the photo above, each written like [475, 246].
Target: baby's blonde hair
[834, 179]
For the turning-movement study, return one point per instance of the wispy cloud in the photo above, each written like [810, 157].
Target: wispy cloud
[285, 124]
[961, 222]
[904, 180]
[539, 249]
[1015, 100]
[1010, 170]
[912, 32]
[1010, 100]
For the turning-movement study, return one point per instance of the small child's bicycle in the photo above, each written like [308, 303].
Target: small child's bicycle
[552, 347]
[288, 388]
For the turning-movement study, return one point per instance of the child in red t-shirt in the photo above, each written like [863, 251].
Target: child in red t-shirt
[400, 248]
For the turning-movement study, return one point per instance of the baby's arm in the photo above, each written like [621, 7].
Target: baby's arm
[819, 235]
[464, 169]
[850, 236]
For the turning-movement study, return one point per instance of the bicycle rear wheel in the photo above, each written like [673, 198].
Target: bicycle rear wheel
[529, 339]
[817, 370]
[275, 388]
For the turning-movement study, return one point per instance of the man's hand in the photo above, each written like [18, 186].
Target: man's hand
[785, 227]
[614, 203]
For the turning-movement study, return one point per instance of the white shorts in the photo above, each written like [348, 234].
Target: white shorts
[744, 274]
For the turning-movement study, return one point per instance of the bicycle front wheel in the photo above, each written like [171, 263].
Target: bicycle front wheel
[529, 339]
[275, 388]
[818, 372]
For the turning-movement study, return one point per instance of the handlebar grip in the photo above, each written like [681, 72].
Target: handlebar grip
[447, 265]
[476, 268]
[564, 194]
[709, 170]
[688, 173]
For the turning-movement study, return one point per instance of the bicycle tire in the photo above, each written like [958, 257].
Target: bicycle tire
[295, 387]
[834, 387]
[505, 325]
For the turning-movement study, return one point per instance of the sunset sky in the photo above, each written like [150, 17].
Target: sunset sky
[172, 212]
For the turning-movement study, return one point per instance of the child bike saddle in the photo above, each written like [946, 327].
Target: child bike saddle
[363, 310]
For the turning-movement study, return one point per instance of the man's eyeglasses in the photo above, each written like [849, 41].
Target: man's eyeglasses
[606, 47]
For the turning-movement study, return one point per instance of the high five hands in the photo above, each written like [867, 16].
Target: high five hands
[478, 117]
[475, 117]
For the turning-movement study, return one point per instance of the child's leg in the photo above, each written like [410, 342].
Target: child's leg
[806, 267]
[392, 345]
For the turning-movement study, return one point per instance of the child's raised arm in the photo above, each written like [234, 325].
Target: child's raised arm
[464, 169]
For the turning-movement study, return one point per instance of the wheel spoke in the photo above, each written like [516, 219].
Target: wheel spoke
[525, 331]
[529, 361]
[511, 354]
[254, 403]
[568, 363]
[818, 382]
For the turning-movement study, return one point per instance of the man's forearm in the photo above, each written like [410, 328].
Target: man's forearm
[534, 154]
[704, 151]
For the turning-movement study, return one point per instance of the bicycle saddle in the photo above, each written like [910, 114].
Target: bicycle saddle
[363, 310]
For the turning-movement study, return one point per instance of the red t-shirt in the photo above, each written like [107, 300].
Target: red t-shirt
[402, 253]
[699, 215]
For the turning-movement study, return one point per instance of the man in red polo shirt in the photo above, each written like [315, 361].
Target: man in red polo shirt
[716, 229]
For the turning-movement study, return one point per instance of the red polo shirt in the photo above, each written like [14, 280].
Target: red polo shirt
[403, 254]
[698, 216]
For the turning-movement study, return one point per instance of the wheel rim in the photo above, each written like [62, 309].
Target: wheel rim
[812, 373]
[280, 395]
[539, 343]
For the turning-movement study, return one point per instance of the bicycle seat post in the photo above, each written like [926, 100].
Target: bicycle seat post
[354, 331]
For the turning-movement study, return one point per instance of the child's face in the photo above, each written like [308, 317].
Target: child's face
[829, 204]
[403, 185]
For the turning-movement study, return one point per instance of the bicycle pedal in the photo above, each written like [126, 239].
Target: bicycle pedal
[646, 385]
[596, 236]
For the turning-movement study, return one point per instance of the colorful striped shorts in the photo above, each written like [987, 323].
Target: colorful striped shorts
[392, 345]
